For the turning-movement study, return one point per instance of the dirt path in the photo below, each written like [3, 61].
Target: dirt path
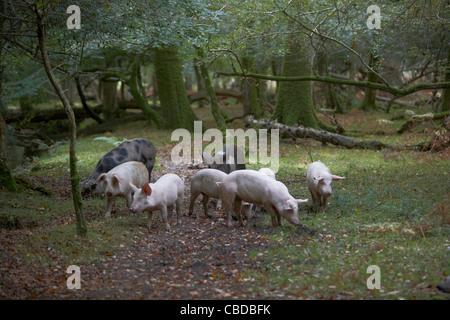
[199, 259]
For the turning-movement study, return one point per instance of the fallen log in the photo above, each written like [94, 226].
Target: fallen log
[319, 135]
[420, 118]
[228, 93]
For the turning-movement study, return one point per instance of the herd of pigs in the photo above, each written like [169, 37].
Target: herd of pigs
[126, 170]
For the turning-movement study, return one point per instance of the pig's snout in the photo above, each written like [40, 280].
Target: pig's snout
[327, 193]
[133, 209]
[109, 194]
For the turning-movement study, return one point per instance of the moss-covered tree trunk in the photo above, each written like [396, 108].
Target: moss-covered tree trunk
[445, 103]
[6, 179]
[329, 90]
[217, 114]
[368, 102]
[176, 109]
[141, 101]
[74, 176]
[251, 102]
[294, 100]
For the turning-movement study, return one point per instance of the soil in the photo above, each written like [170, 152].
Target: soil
[199, 259]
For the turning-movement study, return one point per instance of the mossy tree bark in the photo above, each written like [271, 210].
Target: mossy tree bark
[74, 176]
[142, 101]
[6, 179]
[251, 102]
[176, 109]
[294, 101]
[445, 103]
[329, 90]
[217, 114]
[368, 102]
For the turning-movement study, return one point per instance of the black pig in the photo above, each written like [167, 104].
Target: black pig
[132, 150]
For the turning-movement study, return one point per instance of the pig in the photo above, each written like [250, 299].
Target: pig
[132, 150]
[248, 207]
[268, 172]
[227, 160]
[255, 187]
[204, 183]
[161, 195]
[116, 182]
[319, 179]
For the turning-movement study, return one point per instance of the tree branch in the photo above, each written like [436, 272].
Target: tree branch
[397, 92]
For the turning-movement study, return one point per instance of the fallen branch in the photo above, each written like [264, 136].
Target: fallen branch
[319, 135]
[420, 118]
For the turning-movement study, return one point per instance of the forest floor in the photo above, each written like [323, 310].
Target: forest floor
[390, 212]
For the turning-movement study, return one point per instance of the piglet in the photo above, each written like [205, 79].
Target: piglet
[161, 195]
[204, 183]
[319, 179]
[247, 208]
[116, 182]
[255, 187]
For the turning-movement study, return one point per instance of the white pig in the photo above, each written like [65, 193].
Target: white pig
[248, 207]
[204, 183]
[319, 179]
[269, 172]
[116, 182]
[254, 187]
[161, 195]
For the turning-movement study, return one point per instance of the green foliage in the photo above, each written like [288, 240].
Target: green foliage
[112, 140]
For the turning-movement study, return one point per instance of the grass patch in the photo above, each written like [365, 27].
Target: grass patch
[378, 215]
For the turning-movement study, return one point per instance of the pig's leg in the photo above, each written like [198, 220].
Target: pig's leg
[109, 204]
[149, 220]
[228, 197]
[280, 222]
[205, 205]
[237, 210]
[273, 214]
[323, 206]
[179, 204]
[314, 197]
[170, 213]
[164, 217]
[194, 195]
[219, 204]
[129, 199]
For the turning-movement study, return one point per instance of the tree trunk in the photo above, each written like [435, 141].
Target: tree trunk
[199, 80]
[176, 109]
[110, 101]
[141, 101]
[6, 179]
[329, 90]
[86, 107]
[217, 114]
[445, 103]
[251, 103]
[370, 94]
[294, 101]
[74, 176]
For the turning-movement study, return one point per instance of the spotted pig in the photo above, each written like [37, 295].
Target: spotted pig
[138, 149]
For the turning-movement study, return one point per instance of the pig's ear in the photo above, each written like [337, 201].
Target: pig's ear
[118, 178]
[336, 178]
[318, 178]
[133, 187]
[288, 205]
[101, 178]
[146, 188]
